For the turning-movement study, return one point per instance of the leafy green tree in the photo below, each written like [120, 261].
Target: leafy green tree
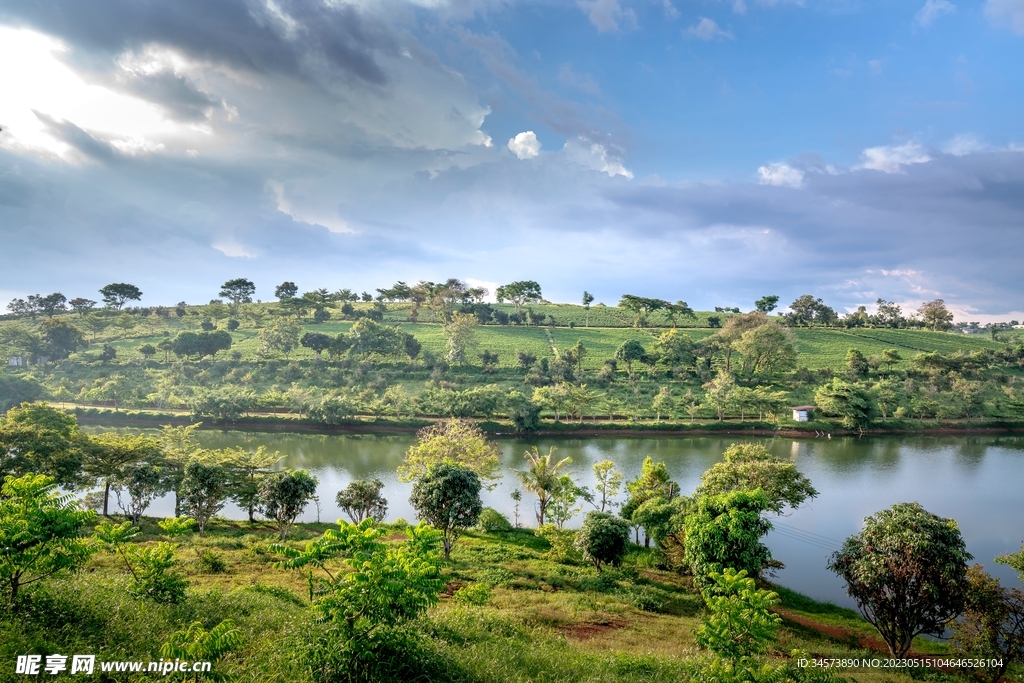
[850, 402]
[641, 307]
[674, 350]
[807, 310]
[992, 626]
[238, 291]
[40, 532]
[519, 293]
[281, 337]
[38, 439]
[245, 468]
[317, 341]
[652, 482]
[740, 620]
[117, 294]
[767, 304]
[82, 305]
[106, 456]
[284, 495]
[286, 290]
[767, 349]
[935, 315]
[179, 447]
[629, 352]
[663, 402]
[542, 477]
[603, 539]
[460, 334]
[718, 393]
[856, 363]
[609, 483]
[456, 442]
[204, 490]
[384, 585]
[677, 309]
[889, 396]
[907, 570]
[60, 338]
[748, 466]
[725, 531]
[588, 299]
[147, 351]
[361, 499]
[890, 357]
[448, 498]
[143, 482]
[562, 505]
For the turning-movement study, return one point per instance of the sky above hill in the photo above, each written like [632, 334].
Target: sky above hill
[712, 151]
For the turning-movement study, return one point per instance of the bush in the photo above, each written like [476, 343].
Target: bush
[646, 598]
[492, 522]
[473, 594]
[561, 542]
[603, 539]
[212, 562]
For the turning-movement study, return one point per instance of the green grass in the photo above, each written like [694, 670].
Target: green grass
[545, 621]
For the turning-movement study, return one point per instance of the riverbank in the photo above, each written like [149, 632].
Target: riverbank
[613, 428]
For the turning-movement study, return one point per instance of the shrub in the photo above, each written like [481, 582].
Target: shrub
[491, 521]
[473, 594]
[212, 562]
[603, 539]
[646, 598]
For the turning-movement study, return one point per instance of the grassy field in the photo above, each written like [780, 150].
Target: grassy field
[548, 618]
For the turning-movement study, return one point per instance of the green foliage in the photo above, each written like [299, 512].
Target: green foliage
[212, 562]
[474, 594]
[155, 575]
[361, 499]
[562, 542]
[284, 495]
[725, 531]
[740, 621]
[455, 442]
[203, 491]
[493, 522]
[542, 477]
[992, 626]
[850, 402]
[38, 439]
[448, 498]
[748, 466]
[176, 526]
[40, 532]
[907, 570]
[603, 539]
[196, 644]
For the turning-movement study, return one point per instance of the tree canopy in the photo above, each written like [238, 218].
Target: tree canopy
[907, 570]
[748, 466]
[117, 294]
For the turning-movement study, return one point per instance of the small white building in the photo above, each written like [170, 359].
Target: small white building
[803, 413]
[15, 361]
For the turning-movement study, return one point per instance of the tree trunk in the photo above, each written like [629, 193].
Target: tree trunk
[106, 498]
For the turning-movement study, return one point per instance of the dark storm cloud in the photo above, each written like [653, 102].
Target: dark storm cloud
[306, 39]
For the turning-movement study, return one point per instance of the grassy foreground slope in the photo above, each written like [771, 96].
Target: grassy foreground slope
[548, 618]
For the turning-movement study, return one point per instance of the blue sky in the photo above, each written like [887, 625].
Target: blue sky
[711, 151]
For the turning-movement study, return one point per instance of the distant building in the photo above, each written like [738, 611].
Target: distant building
[15, 361]
[803, 413]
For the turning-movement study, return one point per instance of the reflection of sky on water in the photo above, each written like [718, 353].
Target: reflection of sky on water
[975, 480]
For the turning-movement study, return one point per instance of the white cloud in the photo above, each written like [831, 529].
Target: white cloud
[230, 247]
[607, 15]
[670, 10]
[595, 156]
[891, 159]
[780, 175]
[739, 7]
[932, 10]
[1008, 13]
[707, 29]
[304, 215]
[963, 144]
[876, 66]
[525, 145]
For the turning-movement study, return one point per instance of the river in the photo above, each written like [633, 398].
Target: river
[976, 480]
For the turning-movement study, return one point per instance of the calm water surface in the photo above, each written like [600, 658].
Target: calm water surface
[976, 480]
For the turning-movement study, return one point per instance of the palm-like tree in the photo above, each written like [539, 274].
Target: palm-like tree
[542, 477]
